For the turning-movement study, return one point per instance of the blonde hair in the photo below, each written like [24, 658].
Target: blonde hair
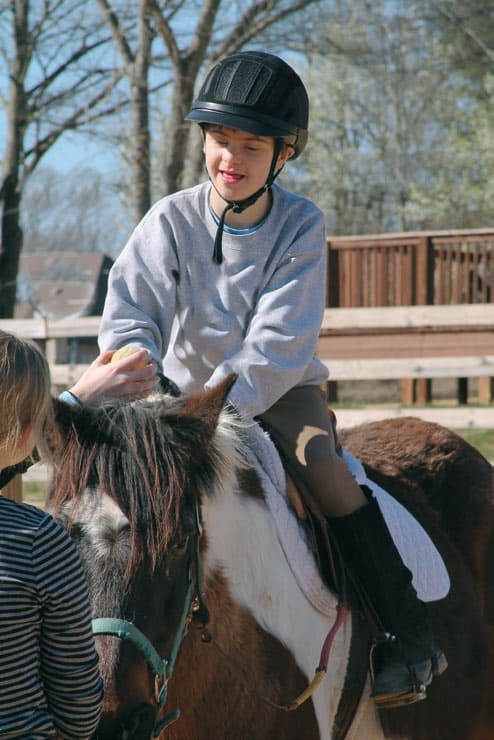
[25, 392]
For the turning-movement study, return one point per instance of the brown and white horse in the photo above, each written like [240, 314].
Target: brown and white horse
[134, 484]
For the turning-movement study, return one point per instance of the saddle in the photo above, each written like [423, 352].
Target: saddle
[326, 553]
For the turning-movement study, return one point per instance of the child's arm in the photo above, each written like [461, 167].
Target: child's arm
[279, 346]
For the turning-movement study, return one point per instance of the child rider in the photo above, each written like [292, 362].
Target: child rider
[229, 276]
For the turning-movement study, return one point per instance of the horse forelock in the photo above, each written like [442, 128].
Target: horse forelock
[124, 451]
[152, 460]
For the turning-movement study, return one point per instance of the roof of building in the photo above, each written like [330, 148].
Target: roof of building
[59, 285]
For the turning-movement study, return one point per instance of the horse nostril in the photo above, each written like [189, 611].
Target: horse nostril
[140, 724]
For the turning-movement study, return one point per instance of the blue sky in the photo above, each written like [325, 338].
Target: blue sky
[70, 152]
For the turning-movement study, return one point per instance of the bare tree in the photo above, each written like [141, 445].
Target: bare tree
[136, 65]
[190, 34]
[92, 222]
[58, 82]
[468, 27]
[397, 135]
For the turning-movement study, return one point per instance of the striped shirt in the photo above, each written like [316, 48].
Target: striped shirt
[49, 679]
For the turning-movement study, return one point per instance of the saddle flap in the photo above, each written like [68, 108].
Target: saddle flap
[418, 552]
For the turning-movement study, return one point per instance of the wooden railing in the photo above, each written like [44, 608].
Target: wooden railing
[411, 343]
[406, 342]
[412, 268]
[61, 340]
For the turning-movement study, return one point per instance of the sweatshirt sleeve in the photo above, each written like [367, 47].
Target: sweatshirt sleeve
[282, 336]
[141, 299]
[68, 658]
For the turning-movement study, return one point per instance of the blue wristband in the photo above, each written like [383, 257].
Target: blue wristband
[70, 398]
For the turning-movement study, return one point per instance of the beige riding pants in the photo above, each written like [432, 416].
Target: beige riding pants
[300, 426]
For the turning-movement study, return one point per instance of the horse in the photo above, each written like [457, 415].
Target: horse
[201, 626]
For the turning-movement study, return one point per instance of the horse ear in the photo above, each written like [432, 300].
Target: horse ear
[61, 427]
[63, 415]
[208, 405]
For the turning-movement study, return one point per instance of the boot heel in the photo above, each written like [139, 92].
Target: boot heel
[439, 663]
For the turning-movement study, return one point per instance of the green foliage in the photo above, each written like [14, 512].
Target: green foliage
[34, 492]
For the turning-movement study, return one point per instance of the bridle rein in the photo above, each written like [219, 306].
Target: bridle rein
[193, 608]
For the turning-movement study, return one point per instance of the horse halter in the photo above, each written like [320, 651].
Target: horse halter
[193, 608]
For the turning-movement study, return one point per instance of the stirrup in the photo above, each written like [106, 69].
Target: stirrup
[417, 690]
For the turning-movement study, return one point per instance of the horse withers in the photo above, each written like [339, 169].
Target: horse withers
[220, 629]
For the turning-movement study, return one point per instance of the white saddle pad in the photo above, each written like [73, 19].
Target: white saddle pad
[430, 577]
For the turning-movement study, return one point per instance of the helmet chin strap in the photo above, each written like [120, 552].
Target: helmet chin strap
[238, 206]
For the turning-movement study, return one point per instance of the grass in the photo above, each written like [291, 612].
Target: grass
[482, 439]
[34, 492]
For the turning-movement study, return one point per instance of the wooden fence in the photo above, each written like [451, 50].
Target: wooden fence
[414, 268]
[411, 343]
[404, 342]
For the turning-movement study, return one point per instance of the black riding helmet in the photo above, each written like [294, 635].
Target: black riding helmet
[260, 93]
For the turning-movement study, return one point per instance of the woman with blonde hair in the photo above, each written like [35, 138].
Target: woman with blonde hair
[49, 680]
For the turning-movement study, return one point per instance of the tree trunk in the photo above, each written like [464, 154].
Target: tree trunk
[10, 194]
[183, 94]
[11, 246]
[140, 136]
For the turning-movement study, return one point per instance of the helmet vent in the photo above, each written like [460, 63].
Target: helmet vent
[240, 83]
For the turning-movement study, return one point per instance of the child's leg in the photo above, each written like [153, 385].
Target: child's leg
[301, 428]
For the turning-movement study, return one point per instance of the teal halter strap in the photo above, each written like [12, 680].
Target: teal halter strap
[161, 668]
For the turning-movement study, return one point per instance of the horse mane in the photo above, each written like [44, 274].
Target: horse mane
[154, 458]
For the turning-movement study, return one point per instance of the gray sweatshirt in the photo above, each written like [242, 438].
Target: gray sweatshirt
[257, 314]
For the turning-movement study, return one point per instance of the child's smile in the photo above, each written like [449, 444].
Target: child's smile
[238, 164]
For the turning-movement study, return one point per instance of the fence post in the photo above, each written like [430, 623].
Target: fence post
[424, 272]
[333, 277]
[486, 389]
[420, 390]
[13, 490]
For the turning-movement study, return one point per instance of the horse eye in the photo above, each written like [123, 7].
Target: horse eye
[180, 548]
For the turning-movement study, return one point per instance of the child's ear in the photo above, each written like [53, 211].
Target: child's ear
[286, 153]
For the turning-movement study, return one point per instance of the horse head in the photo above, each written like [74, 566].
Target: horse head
[127, 485]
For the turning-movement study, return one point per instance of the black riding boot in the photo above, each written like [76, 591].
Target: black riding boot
[404, 665]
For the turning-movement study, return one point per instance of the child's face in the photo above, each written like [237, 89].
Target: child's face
[238, 162]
